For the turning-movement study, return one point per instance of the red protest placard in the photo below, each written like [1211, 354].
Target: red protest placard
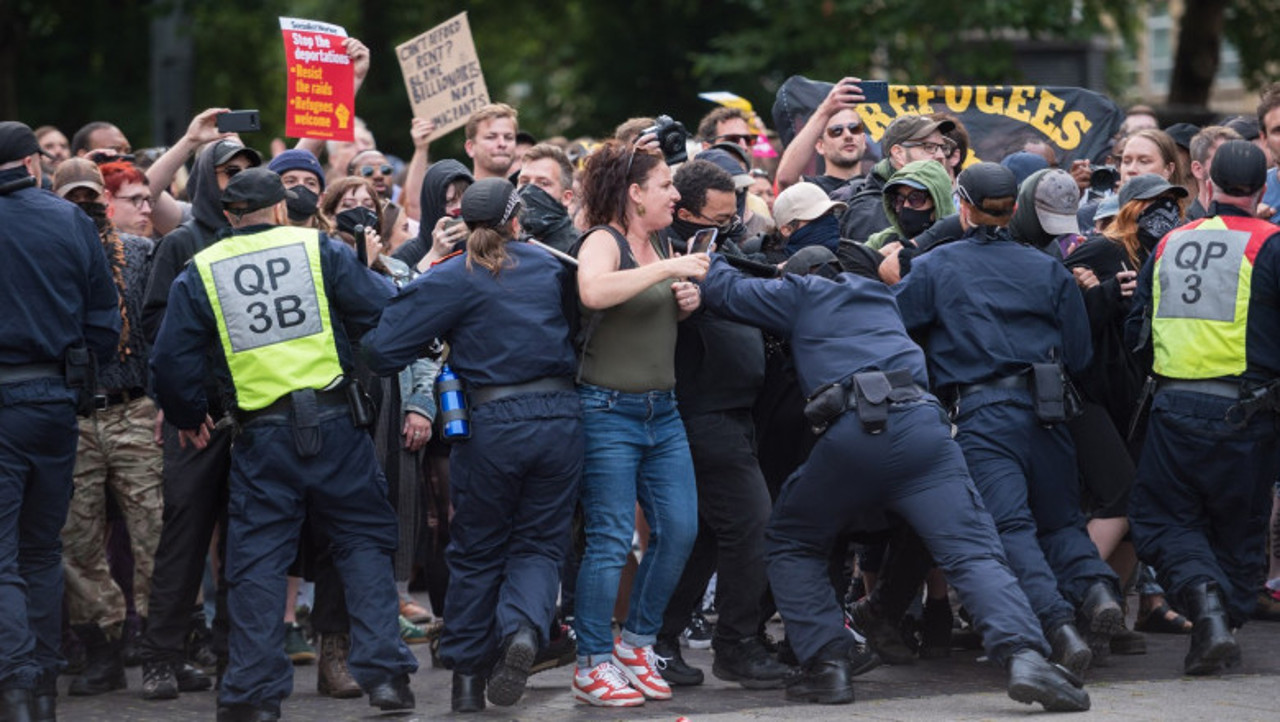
[320, 96]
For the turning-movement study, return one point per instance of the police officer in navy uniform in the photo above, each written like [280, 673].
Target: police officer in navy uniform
[60, 306]
[1203, 491]
[500, 305]
[864, 377]
[999, 321]
[276, 303]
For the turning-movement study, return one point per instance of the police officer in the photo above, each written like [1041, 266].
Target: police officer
[864, 377]
[500, 305]
[1202, 495]
[61, 306]
[999, 318]
[276, 302]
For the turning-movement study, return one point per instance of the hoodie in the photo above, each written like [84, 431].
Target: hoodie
[933, 177]
[179, 245]
[431, 207]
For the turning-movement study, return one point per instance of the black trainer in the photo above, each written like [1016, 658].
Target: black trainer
[671, 664]
[158, 681]
[749, 663]
[883, 637]
[191, 678]
[561, 650]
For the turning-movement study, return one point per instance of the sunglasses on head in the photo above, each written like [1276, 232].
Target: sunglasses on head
[836, 131]
[368, 170]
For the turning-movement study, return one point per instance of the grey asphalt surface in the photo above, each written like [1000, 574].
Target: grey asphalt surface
[1138, 688]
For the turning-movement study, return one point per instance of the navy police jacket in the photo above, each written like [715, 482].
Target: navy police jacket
[55, 285]
[988, 307]
[835, 327]
[503, 329]
[180, 358]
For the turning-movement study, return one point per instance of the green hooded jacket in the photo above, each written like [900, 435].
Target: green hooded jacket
[931, 175]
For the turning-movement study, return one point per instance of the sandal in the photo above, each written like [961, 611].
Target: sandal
[1162, 619]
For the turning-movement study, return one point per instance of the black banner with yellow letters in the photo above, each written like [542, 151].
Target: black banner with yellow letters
[1078, 123]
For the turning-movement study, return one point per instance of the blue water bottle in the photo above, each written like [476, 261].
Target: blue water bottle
[454, 416]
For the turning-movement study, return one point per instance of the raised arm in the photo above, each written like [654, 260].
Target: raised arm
[844, 95]
[166, 214]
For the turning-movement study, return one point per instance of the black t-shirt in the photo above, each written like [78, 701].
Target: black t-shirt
[828, 183]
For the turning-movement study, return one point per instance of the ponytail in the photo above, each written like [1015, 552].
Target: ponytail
[487, 246]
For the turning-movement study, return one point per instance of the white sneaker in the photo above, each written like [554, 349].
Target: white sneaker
[604, 686]
[640, 666]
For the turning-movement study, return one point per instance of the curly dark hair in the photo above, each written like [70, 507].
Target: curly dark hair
[610, 171]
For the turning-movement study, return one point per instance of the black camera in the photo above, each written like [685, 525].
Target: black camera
[671, 139]
[1103, 178]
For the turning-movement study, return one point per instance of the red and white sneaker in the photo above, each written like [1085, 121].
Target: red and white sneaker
[604, 686]
[640, 666]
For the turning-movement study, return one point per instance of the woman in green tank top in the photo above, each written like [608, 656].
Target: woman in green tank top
[633, 293]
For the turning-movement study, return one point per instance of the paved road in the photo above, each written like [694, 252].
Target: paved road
[1132, 689]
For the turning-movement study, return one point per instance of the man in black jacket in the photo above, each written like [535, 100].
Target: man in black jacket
[908, 138]
[719, 373]
[195, 480]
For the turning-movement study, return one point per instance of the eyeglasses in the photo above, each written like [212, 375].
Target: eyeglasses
[836, 131]
[739, 138]
[230, 171]
[718, 222]
[943, 149]
[138, 201]
[368, 170]
[916, 199]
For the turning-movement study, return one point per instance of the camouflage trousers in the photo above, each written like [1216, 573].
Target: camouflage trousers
[116, 453]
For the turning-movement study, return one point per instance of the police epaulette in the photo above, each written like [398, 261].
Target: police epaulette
[438, 261]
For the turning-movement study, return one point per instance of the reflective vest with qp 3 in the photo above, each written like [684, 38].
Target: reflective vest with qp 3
[1200, 297]
[267, 294]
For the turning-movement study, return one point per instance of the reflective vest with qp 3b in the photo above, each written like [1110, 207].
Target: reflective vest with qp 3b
[267, 294]
[1200, 297]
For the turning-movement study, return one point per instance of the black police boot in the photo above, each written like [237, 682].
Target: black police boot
[1213, 647]
[468, 692]
[1101, 611]
[247, 713]
[935, 629]
[1033, 679]
[1069, 649]
[509, 675]
[393, 694]
[883, 636]
[749, 663]
[44, 700]
[676, 671]
[103, 669]
[16, 705]
[826, 679]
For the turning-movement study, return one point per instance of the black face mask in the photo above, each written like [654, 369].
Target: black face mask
[97, 212]
[303, 205]
[356, 220]
[914, 222]
[1156, 221]
[540, 214]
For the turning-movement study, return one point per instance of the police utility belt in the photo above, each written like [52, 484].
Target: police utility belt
[1053, 397]
[79, 370]
[869, 394]
[1250, 399]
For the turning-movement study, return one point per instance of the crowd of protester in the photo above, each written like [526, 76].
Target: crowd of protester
[641, 411]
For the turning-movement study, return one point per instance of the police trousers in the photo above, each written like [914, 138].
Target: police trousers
[1202, 499]
[37, 453]
[916, 471]
[513, 485]
[1027, 476]
[344, 492]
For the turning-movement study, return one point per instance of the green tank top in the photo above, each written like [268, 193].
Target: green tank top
[631, 347]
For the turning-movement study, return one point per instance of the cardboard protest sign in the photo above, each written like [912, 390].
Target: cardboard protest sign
[1078, 123]
[442, 74]
[320, 96]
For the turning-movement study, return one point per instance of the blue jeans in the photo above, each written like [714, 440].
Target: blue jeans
[636, 449]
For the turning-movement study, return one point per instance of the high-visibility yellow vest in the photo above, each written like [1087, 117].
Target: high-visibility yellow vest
[267, 294]
[1203, 277]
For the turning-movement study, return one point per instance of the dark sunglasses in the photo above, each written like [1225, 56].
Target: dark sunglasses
[916, 199]
[367, 170]
[738, 138]
[836, 131]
